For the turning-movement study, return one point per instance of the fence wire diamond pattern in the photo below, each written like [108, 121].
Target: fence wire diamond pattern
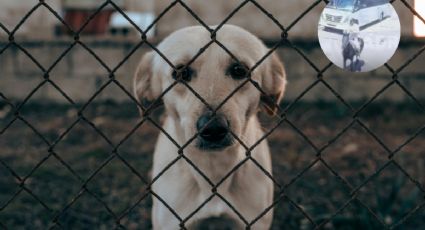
[282, 116]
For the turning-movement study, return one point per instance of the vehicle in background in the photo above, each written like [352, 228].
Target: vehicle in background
[338, 13]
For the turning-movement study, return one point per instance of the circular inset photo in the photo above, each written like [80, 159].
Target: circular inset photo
[359, 35]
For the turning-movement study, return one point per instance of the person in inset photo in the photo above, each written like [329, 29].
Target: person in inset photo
[352, 46]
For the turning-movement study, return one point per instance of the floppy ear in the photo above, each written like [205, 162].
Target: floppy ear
[146, 88]
[273, 84]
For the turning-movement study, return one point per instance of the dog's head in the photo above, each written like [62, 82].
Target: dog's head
[209, 83]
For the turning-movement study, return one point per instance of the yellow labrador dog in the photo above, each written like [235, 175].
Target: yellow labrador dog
[215, 151]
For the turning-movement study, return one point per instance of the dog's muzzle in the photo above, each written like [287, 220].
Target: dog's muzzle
[215, 223]
[214, 132]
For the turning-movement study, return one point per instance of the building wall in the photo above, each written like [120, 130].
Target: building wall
[80, 75]
[250, 17]
[39, 25]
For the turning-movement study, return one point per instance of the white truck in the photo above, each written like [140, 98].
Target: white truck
[338, 13]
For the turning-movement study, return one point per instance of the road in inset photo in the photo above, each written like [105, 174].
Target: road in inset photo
[360, 35]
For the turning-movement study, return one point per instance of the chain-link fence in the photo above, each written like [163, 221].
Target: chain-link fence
[42, 196]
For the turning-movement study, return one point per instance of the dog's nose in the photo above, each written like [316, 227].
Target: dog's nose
[212, 128]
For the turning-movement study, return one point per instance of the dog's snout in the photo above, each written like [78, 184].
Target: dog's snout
[214, 131]
[211, 128]
[214, 223]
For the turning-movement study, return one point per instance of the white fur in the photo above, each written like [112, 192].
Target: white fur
[248, 189]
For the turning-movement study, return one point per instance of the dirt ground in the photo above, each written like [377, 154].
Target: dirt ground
[387, 198]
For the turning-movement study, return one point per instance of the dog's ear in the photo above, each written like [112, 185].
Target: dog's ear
[146, 88]
[273, 84]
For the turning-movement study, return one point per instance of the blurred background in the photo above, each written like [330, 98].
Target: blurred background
[351, 154]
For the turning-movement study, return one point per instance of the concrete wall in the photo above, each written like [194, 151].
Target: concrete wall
[251, 18]
[39, 25]
[211, 12]
[80, 75]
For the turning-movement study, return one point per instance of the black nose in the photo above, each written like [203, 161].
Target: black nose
[212, 129]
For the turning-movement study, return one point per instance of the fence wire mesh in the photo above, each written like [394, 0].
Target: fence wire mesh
[282, 116]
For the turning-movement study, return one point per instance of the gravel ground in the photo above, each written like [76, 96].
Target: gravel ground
[114, 190]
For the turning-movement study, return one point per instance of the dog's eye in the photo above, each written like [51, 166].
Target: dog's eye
[237, 71]
[183, 73]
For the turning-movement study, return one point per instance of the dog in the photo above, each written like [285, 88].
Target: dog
[214, 74]
[352, 54]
